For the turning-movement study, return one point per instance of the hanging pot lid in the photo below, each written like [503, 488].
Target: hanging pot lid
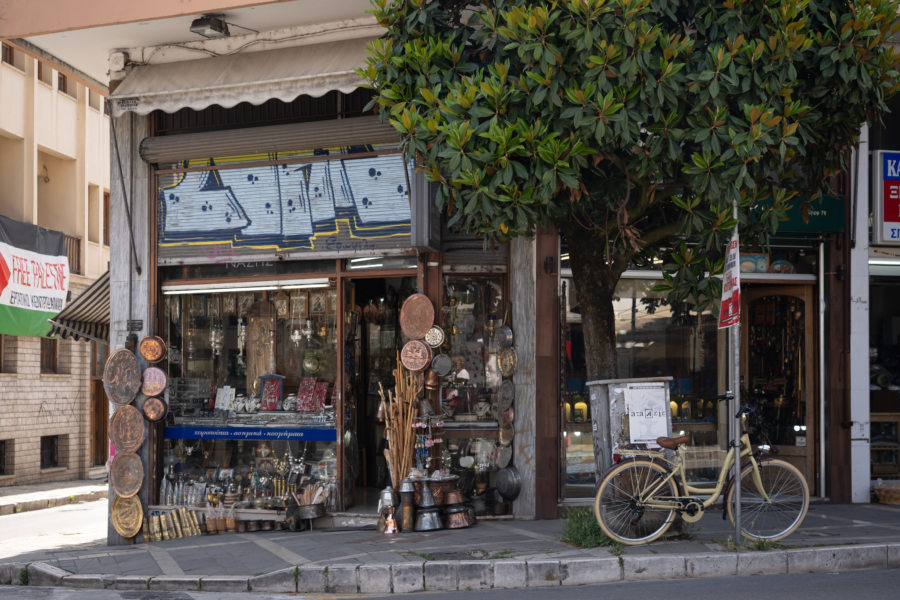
[154, 409]
[506, 435]
[152, 348]
[416, 316]
[503, 336]
[154, 382]
[441, 364]
[126, 429]
[509, 483]
[506, 361]
[507, 394]
[434, 337]
[505, 418]
[121, 376]
[415, 355]
[127, 515]
[502, 456]
[126, 473]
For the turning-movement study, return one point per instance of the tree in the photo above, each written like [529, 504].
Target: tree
[633, 126]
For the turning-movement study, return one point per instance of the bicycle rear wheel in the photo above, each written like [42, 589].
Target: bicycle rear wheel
[778, 516]
[621, 502]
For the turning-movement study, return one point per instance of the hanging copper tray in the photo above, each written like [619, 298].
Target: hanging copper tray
[506, 362]
[507, 395]
[415, 355]
[154, 409]
[126, 429]
[506, 435]
[152, 348]
[434, 337]
[154, 382]
[121, 376]
[416, 316]
[127, 515]
[126, 473]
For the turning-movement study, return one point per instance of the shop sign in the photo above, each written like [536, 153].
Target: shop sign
[730, 308]
[647, 405]
[886, 187]
[34, 277]
[193, 432]
[326, 207]
[820, 215]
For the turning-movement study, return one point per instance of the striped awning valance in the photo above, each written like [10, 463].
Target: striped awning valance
[88, 316]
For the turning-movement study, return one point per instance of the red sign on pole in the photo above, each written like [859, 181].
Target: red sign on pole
[730, 309]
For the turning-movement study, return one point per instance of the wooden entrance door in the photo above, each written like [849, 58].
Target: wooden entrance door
[99, 406]
[778, 371]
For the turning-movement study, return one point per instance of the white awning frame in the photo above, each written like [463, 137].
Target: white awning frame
[253, 77]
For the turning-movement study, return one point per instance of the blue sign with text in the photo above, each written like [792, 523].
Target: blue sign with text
[206, 432]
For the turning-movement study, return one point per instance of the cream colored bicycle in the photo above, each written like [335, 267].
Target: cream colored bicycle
[638, 498]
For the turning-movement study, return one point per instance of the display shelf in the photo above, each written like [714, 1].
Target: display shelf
[250, 432]
[470, 425]
[243, 514]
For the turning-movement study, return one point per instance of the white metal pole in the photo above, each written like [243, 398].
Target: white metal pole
[735, 338]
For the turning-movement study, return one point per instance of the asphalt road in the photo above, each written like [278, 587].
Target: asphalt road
[51, 528]
[859, 585]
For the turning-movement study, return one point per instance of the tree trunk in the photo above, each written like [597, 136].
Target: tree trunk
[595, 279]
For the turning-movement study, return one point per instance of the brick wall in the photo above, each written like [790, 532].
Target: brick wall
[33, 405]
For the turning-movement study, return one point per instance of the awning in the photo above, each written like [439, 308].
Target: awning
[88, 316]
[253, 77]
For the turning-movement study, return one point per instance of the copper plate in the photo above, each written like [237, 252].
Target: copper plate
[127, 515]
[121, 376]
[507, 394]
[506, 435]
[415, 355]
[126, 429]
[506, 362]
[441, 364]
[152, 348]
[154, 409]
[434, 337]
[126, 473]
[416, 316]
[154, 382]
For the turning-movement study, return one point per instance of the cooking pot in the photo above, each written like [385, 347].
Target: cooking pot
[428, 519]
[509, 482]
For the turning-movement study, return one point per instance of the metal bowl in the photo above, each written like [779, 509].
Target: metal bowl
[509, 482]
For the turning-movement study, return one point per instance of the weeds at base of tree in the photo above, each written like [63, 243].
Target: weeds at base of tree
[766, 545]
[580, 529]
[24, 577]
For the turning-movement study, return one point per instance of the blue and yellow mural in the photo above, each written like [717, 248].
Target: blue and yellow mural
[343, 205]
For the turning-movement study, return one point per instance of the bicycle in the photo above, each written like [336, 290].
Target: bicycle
[638, 498]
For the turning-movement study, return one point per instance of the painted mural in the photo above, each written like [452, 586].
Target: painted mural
[343, 205]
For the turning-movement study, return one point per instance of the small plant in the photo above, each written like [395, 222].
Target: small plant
[423, 555]
[501, 554]
[24, 577]
[581, 529]
[766, 545]
[296, 576]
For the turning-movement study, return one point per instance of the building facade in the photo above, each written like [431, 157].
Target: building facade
[54, 140]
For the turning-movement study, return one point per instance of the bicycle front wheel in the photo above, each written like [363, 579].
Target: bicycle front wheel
[621, 504]
[776, 510]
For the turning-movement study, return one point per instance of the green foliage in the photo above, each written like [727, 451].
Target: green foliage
[580, 529]
[638, 121]
[24, 576]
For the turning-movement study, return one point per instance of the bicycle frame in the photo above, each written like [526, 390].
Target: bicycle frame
[675, 467]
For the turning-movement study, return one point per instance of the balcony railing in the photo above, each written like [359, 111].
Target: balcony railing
[73, 251]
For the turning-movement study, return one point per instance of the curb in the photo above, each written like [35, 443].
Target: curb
[20, 507]
[469, 575]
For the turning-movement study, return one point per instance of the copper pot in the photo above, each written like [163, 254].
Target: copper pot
[453, 496]
[432, 381]
[459, 517]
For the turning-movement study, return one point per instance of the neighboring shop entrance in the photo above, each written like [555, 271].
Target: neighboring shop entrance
[778, 371]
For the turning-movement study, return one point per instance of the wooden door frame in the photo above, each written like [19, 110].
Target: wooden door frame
[806, 294]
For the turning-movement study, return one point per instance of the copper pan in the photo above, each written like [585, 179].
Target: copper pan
[154, 382]
[152, 348]
[416, 316]
[154, 409]
[121, 376]
[415, 355]
[126, 473]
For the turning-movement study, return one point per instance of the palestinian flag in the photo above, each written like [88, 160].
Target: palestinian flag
[34, 277]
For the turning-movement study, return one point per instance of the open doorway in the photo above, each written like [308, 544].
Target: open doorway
[372, 340]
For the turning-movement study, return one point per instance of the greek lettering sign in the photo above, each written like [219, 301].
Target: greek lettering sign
[730, 309]
[647, 405]
[886, 189]
[34, 277]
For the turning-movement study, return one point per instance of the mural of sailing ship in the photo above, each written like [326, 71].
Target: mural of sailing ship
[288, 206]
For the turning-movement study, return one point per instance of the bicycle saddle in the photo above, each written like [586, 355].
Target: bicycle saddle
[672, 443]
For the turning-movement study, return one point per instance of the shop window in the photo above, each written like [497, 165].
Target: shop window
[66, 85]
[53, 451]
[6, 457]
[49, 355]
[44, 73]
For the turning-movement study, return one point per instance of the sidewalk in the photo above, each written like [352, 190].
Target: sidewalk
[492, 554]
[23, 498]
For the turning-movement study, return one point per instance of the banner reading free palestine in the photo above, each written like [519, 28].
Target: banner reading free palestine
[34, 277]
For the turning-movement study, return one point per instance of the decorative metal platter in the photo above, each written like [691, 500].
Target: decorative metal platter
[154, 382]
[154, 409]
[434, 337]
[505, 418]
[441, 364]
[152, 348]
[506, 395]
[416, 316]
[506, 435]
[415, 355]
[126, 473]
[506, 361]
[503, 336]
[121, 376]
[127, 515]
[502, 456]
[126, 429]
